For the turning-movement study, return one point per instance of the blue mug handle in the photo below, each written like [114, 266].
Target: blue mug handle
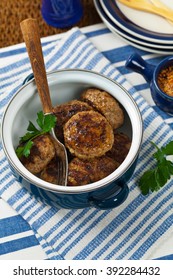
[136, 63]
[113, 200]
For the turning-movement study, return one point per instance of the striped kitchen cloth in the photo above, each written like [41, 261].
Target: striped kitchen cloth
[136, 228]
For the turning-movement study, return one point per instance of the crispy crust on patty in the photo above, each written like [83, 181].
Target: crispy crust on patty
[120, 147]
[83, 172]
[65, 111]
[41, 154]
[104, 103]
[50, 172]
[88, 135]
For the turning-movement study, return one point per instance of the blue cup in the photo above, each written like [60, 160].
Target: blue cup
[61, 13]
[151, 73]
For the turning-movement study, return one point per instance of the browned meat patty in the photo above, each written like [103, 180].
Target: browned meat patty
[65, 111]
[88, 135]
[120, 147]
[83, 172]
[50, 172]
[41, 154]
[104, 103]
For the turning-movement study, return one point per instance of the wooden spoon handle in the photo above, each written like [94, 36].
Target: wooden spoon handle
[30, 31]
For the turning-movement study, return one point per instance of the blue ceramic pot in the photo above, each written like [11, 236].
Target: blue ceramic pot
[109, 196]
[66, 85]
[150, 72]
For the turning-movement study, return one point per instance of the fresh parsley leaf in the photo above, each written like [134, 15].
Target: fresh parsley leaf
[31, 127]
[24, 150]
[45, 123]
[154, 179]
[168, 149]
[40, 119]
[148, 176]
[19, 151]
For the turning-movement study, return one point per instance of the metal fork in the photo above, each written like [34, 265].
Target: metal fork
[30, 31]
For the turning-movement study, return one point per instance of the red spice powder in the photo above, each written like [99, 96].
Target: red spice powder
[165, 80]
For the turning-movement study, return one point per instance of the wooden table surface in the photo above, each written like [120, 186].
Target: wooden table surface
[12, 12]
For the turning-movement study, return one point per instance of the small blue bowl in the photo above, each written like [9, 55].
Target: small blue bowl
[150, 72]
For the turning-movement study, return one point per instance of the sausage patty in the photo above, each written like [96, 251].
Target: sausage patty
[104, 103]
[88, 135]
[120, 147]
[65, 111]
[83, 172]
[41, 154]
[50, 172]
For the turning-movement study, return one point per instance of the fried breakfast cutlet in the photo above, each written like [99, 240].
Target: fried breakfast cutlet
[88, 135]
[82, 172]
[120, 147]
[104, 103]
[65, 111]
[41, 154]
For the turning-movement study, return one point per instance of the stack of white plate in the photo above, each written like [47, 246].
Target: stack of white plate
[143, 30]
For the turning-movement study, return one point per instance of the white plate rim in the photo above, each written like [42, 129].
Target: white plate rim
[149, 37]
[131, 41]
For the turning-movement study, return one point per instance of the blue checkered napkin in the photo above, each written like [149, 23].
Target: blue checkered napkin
[135, 229]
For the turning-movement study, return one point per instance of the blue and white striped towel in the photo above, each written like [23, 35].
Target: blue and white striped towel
[135, 229]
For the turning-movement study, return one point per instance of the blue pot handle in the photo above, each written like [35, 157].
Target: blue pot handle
[113, 200]
[136, 63]
[28, 78]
